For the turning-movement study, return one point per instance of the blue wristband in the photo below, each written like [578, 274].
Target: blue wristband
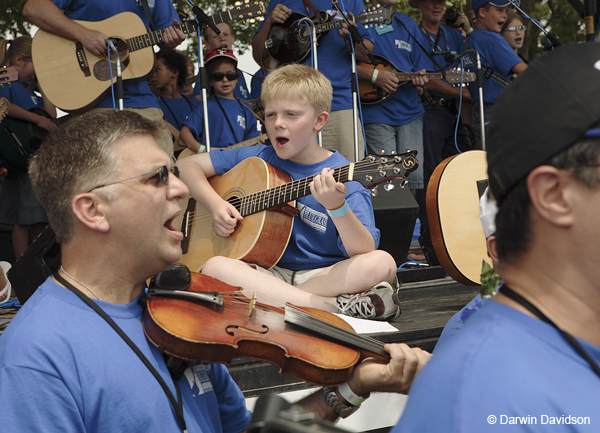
[339, 212]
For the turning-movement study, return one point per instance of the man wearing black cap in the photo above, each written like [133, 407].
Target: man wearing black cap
[497, 57]
[530, 356]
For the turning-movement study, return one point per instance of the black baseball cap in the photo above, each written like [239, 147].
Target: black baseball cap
[546, 109]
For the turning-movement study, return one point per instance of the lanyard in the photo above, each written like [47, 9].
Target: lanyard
[164, 101]
[177, 405]
[508, 292]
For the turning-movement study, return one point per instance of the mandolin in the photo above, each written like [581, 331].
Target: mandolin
[290, 42]
[370, 94]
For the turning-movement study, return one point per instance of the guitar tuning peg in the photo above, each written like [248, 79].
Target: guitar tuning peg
[388, 186]
[374, 192]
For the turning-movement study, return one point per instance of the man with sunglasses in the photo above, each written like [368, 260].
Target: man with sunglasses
[111, 199]
[231, 121]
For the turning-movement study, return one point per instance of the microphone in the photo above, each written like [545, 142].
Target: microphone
[203, 18]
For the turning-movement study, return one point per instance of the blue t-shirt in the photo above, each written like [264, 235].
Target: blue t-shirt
[332, 54]
[176, 111]
[495, 53]
[241, 119]
[393, 42]
[135, 95]
[502, 365]
[449, 41]
[314, 242]
[64, 369]
[17, 94]
[256, 83]
[240, 91]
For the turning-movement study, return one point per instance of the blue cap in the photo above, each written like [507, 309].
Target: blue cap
[476, 4]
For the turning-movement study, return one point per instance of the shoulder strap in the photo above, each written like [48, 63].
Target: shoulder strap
[147, 10]
[429, 56]
[177, 404]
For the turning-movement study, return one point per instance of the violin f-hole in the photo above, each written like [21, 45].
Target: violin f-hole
[243, 328]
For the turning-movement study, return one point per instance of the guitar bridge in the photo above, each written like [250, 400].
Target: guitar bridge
[82, 59]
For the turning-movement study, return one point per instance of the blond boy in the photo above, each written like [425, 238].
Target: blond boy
[331, 261]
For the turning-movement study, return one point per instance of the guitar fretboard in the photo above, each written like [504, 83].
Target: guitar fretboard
[291, 191]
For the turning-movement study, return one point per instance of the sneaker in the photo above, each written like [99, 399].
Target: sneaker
[379, 303]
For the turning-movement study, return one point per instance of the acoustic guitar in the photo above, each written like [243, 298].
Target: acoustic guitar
[264, 195]
[74, 79]
[453, 214]
[371, 94]
[290, 42]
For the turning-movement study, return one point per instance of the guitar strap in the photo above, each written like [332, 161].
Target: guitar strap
[487, 71]
[308, 4]
[147, 10]
[429, 56]
[160, 98]
[227, 118]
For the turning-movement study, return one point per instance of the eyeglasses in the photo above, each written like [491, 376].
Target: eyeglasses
[218, 76]
[515, 28]
[163, 175]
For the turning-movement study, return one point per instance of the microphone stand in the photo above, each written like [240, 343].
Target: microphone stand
[113, 48]
[453, 60]
[554, 41]
[355, 37]
[313, 39]
[203, 20]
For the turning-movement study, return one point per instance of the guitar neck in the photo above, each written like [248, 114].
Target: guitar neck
[263, 200]
[62, 120]
[156, 37]
[407, 76]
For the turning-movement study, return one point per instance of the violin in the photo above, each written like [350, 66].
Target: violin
[197, 318]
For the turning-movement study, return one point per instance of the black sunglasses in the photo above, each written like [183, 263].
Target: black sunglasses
[163, 175]
[218, 76]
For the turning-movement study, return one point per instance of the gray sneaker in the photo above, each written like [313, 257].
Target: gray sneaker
[379, 303]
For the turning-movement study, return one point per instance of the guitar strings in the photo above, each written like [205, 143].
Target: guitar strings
[261, 199]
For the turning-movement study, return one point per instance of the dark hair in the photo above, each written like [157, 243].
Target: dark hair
[513, 231]
[175, 62]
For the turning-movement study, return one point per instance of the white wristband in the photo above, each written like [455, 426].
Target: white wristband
[347, 394]
[375, 74]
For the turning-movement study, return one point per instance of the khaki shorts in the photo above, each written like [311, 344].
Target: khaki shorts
[295, 278]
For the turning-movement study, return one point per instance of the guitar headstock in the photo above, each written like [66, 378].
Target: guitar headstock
[379, 15]
[8, 75]
[455, 76]
[248, 10]
[375, 170]
[4, 106]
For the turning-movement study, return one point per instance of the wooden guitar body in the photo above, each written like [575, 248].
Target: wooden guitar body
[261, 238]
[60, 74]
[453, 214]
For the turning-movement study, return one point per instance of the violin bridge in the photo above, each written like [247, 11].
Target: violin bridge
[251, 306]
